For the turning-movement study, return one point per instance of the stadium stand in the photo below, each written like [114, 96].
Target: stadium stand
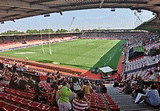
[43, 94]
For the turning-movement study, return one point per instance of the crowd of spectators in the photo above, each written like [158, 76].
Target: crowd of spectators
[142, 38]
[63, 92]
[27, 38]
[141, 91]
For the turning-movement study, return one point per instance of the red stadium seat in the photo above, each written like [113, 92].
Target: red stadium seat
[22, 94]
[114, 107]
[102, 106]
[9, 97]
[100, 101]
[17, 100]
[10, 108]
[93, 105]
[2, 95]
[2, 104]
[93, 109]
[34, 105]
[21, 109]
[101, 110]
[25, 102]
[53, 109]
[44, 107]
[110, 102]
[29, 96]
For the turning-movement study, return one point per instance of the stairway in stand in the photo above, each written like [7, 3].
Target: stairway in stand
[126, 102]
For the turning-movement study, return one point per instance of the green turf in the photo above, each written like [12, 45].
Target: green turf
[83, 54]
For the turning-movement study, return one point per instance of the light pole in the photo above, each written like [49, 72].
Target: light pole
[71, 23]
[50, 51]
[41, 39]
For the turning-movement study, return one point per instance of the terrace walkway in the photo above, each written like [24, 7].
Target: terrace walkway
[126, 102]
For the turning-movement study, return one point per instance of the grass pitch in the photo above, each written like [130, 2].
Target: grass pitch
[83, 53]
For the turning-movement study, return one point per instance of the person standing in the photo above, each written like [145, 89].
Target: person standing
[63, 102]
[79, 104]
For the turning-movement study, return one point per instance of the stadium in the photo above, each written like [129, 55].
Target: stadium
[73, 70]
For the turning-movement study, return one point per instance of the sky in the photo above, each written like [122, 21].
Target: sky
[84, 19]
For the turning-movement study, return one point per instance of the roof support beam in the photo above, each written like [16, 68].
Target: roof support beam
[98, 2]
[102, 1]
[40, 1]
[21, 4]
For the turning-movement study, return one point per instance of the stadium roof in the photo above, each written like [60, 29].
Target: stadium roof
[16, 9]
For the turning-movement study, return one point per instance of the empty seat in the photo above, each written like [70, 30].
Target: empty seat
[25, 102]
[53, 109]
[114, 108]
[110, 102]
[10, 108]
[28, 96]
[44, 107]
[22, 94]
[93, 104]
[2, 95]
[2, 104]
[21, 109]
[102, 106]
[100, 101]
[93, 109]
[34, 105]
[9, 97]
[17, 100]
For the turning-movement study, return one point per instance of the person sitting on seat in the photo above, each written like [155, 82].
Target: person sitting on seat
[37, 88]
[14, 82]
[22, 83]
[31, 82]
[127, 89]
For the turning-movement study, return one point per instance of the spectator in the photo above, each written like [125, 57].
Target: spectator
[22, 83]
[63, 102]
[52, 95]
[37, 89]
[1, 65]
[72, 96]
[151, 97]
[93, 85]
[31, 82]
[104, 89]
[127, 89]
[14, 82]
[119, 78]
[79, 104]
[138, 90]
[87, 89]
[76, 87]
[98, 88]
[14, 68]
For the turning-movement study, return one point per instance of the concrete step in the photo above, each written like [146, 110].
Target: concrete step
[126, 102]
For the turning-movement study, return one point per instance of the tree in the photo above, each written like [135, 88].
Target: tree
[10, 32]
[77, 30]
[61, 31]
[47, 31]
[29, 31]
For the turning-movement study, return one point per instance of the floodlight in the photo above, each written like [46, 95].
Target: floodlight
[46, 15]
[60, 13]
[139, 10]
[112, 9]
[2, 22]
